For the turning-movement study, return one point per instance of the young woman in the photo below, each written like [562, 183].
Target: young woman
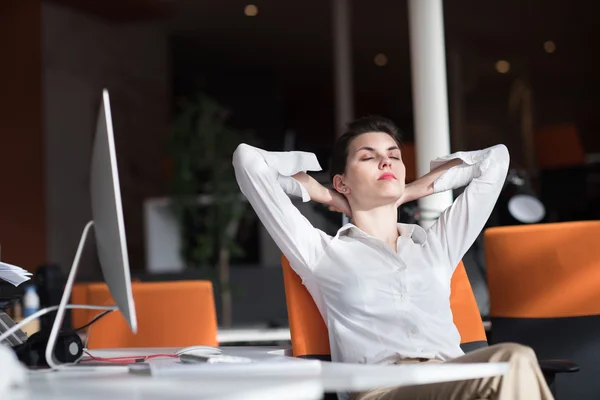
[383, 288]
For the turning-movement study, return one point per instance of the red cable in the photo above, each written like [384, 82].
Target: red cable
[126, 360]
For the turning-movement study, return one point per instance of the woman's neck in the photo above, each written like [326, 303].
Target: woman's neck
[378, 222]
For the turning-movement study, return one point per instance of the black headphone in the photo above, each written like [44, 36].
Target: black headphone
[68, 349]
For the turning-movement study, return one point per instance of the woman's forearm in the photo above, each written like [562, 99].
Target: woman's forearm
[423, 186]
[317, 192]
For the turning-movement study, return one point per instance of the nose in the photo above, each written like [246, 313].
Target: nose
[385, 162]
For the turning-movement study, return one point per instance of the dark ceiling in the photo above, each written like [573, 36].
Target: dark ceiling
[293, 40]
[297, 34]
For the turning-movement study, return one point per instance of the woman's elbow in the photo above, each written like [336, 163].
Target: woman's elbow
[243, 156]
[501, 156]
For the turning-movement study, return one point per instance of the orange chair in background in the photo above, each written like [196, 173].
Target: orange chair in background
[169, 314]
[565, 179]
[309, 333]
[410, 161]
[544, 285]
[558, 146]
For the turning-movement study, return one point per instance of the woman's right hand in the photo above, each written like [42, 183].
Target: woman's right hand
[339, 203]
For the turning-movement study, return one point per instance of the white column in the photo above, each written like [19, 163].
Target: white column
[430, 98]
[342, 66]
[342, 63]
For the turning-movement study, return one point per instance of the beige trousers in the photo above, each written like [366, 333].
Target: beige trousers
[523, 381]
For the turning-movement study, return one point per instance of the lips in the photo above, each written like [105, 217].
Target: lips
[387, 176]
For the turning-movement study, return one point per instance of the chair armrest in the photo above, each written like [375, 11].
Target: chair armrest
[321, 357]
[558, 366]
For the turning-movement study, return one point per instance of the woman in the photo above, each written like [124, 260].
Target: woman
[383, 288]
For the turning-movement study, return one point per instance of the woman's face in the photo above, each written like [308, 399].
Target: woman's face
[375, 174]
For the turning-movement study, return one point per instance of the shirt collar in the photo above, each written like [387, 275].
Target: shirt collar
[412, 231]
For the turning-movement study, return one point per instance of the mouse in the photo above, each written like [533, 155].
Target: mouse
[199, 351]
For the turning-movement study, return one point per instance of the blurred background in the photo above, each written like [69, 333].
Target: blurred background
[189, 80]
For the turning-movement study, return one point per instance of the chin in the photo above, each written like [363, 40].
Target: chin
[390, 196]
[394, 191]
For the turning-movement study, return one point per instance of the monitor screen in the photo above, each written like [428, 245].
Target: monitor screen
[107, 214]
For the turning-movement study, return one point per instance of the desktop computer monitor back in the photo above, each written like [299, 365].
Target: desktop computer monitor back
[107, 214]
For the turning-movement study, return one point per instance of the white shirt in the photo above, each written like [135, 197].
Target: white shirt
[379, 306]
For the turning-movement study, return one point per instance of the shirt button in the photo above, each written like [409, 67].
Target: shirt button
[414, 331]
[402, 297]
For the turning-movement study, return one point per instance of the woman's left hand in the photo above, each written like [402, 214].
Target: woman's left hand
[407, 196]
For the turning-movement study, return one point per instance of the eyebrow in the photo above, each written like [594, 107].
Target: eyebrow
[372, 149]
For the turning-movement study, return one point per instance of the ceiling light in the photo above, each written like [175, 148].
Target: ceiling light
[380, 60]
[251, 10]
[549, 46]
[502, 66]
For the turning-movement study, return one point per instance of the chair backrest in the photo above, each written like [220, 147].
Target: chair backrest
[310, 336]
[169, 314]
[544, 270]
[79, 295]
[558, 146]
[544, 282]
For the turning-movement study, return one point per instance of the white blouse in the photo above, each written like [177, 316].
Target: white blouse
[379, 306]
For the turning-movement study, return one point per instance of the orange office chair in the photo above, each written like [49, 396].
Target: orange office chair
[558, 146]
[79, 295]
[409, 160]
[564, 175]
[310, 337]
[544, 285]
[169, 314]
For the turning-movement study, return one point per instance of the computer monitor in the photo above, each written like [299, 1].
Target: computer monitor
[109, 228]
[107, 214]
[111, 243]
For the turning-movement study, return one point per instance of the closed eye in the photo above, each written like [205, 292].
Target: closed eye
[395, 158]
[367, 159]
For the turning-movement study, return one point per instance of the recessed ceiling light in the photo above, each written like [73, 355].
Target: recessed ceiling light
[251, 10]
[502, 66]
[380, 60]
[549, 46]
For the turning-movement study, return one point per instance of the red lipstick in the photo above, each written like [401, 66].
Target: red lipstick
[387, 175]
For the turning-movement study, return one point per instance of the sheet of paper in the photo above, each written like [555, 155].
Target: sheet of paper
[13, 274]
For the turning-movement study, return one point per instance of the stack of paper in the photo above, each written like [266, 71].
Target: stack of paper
[13, 274]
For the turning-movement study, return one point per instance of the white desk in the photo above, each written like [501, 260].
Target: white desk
[253, 335]
[110, 383]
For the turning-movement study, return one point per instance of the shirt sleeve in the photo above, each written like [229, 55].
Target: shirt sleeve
[265, 179]
[483, 172]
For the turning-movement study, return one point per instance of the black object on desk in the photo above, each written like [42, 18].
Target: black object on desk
[50, 283]
[9, 295]
[68, 349]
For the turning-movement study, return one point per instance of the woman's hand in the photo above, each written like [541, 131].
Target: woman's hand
[339, 203]
[423, 186]
[320, 194]
[408, 195]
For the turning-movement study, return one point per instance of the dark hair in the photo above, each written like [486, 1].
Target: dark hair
[353, 130]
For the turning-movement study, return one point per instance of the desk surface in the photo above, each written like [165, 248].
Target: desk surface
[112, 382]
[253, 335]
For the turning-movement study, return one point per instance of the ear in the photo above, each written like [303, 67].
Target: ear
[339, 185]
